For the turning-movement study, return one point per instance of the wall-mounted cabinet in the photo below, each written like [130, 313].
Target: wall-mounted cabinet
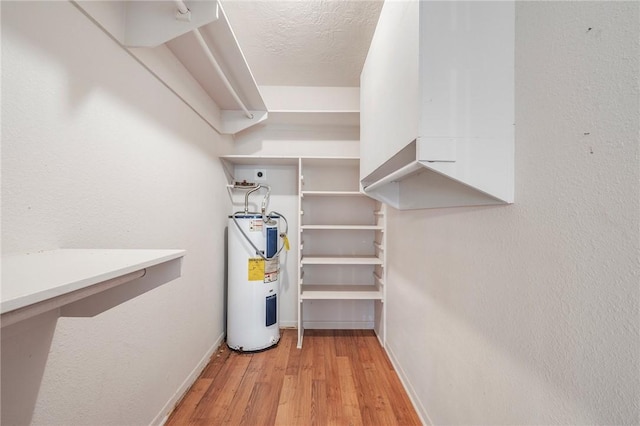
[195, 55]
[437, 115]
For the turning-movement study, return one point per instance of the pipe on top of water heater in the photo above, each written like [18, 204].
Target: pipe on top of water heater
[266, 217]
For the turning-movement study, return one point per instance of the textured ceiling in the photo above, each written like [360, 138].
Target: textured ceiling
[304, 42]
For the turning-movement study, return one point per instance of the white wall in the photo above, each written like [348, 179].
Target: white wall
[96, 153]
[529, 314]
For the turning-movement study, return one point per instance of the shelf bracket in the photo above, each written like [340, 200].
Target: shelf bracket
[152, 23]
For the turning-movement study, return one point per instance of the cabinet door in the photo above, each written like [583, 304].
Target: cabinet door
[389, 91]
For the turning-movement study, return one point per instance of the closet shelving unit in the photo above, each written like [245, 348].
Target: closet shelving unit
[341, 237]
[341, 234]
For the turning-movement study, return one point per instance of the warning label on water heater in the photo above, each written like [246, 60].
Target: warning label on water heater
[256, 269]
[271, 270]
[256, 225]
[263, 270]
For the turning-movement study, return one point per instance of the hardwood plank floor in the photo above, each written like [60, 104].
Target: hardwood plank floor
[339, 377]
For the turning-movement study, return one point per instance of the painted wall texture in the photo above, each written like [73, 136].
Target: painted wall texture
[96, 153]
[529, 313]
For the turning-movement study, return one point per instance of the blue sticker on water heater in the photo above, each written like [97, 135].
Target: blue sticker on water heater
[272, 241]
[272, 310]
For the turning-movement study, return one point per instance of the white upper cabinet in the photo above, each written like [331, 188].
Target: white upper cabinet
[437, 105]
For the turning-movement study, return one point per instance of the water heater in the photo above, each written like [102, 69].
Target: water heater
[253, 280]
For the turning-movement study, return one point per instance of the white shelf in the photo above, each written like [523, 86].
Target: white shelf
[332, 194]
[342, 227]
[171, 51]
[340, 292]
[260, 160]
[33, 278]
[330, 161]
[312, 106]
[314, 118]
[288, 160]
[341, 260]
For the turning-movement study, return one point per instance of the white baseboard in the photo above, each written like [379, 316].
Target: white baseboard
[288, 324]
[338, 325]
[404, 379]
[163, 415]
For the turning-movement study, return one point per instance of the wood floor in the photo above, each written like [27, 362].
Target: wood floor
[339, 377]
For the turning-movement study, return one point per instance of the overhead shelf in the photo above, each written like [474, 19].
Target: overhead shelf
[34, 283]
[196, 55]
[328, 162]
[314, 118]
[270, 160]
[261, 160]
[312, 106]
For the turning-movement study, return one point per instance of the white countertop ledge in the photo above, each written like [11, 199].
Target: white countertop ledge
[35, 277]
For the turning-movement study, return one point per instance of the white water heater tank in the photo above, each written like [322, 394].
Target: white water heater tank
[253, 282]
